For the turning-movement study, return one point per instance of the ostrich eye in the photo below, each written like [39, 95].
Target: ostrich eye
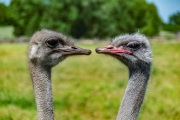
[52, 43]
[133, 45]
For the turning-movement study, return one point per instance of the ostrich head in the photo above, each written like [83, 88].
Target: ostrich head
[131, 49]
[49, 48]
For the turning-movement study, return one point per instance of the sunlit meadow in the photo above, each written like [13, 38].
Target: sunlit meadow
[89, 87]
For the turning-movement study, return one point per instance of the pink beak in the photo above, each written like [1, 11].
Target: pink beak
[112, 50]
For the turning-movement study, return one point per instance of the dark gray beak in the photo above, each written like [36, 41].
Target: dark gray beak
[73, 50]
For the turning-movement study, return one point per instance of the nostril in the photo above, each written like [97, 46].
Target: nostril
[109, 47]
[74, 47]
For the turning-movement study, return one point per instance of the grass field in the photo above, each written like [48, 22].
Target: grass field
[89, 87]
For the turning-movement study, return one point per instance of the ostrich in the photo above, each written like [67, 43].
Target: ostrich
[46, 49]
[134, 51]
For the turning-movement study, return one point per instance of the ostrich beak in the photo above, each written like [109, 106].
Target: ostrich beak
[112, 50]
[73, 50]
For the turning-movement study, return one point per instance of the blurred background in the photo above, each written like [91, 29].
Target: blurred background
[90, 19]
[93, 92]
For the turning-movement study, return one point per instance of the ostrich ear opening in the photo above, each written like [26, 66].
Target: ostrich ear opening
[33, 52]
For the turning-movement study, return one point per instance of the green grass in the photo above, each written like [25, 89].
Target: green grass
[89, 87]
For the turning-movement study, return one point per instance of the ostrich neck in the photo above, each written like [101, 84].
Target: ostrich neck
[134, 94]
[41, 80]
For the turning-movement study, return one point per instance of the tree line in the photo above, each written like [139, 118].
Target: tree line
[84, 18]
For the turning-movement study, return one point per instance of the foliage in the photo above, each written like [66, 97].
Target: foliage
[171, 27]
[92, 92]
[153, 23]
[174, 23]
[175, 18]
[87, 18]
[2, 13]
[4, 18]
[26, 15]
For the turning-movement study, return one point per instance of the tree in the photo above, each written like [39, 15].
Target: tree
[85, 18]
[152, 20]
[26, 16]
[175, 19]
[174, 23]
[60, 15]
[4, 15]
